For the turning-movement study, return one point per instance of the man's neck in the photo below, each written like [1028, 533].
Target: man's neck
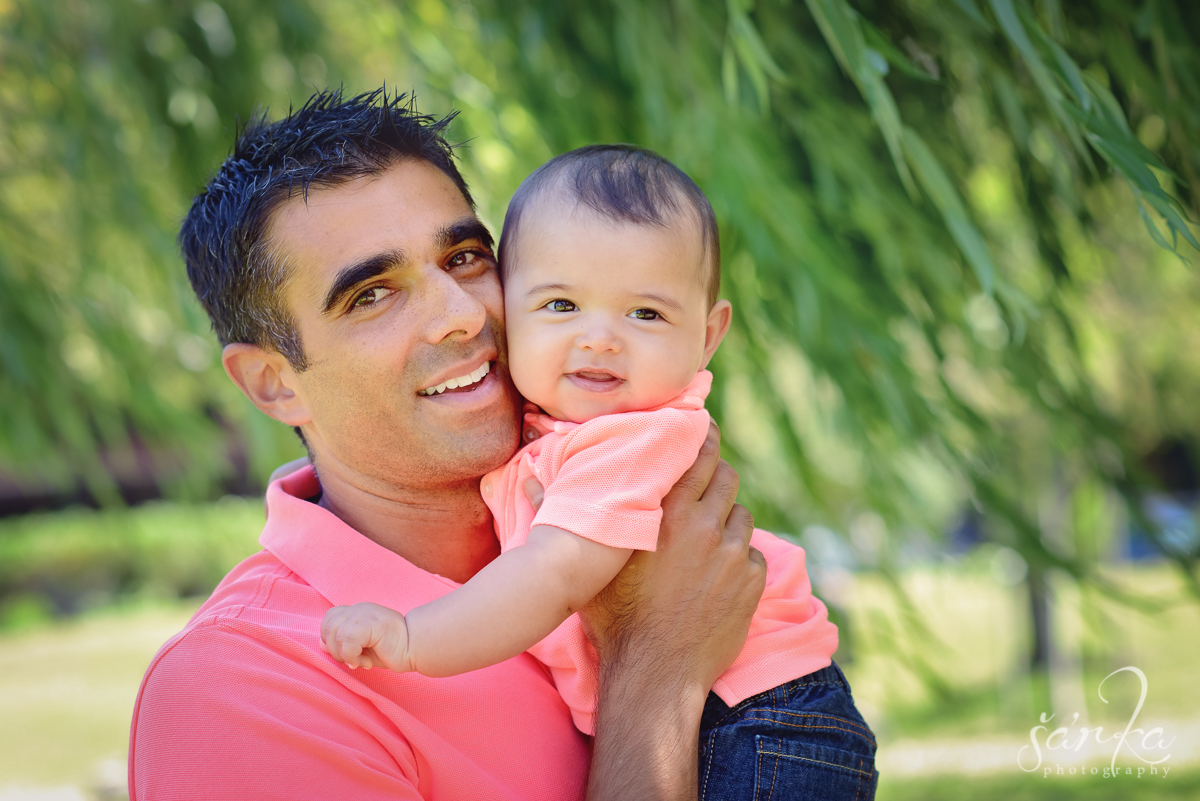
[447, 531]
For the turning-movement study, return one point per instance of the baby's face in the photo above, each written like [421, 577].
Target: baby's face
[603, 316]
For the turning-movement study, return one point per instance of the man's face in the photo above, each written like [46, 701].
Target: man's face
[394, 291]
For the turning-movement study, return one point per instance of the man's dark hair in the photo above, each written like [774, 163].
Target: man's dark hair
[232, 268]
[622, 183]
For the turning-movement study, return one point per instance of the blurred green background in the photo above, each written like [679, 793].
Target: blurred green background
[957, 236]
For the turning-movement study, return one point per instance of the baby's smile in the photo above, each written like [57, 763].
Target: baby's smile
[592, 379]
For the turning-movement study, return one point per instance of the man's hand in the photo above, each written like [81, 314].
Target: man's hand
[666, 627]
[695, 594]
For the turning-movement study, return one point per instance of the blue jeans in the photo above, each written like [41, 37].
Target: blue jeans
[801, 740]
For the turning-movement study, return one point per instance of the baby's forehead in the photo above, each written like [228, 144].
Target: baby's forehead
[672, 249]
[587, 259]
[550, 215]
[562, 208]
[556, 205]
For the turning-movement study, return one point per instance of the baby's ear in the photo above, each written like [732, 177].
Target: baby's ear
[717, 327]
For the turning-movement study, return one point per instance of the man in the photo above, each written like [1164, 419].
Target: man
[339, 257]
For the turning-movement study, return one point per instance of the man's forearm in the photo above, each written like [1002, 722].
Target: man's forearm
[647, 731]
[670, 623]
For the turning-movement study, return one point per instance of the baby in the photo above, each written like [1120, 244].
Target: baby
[610, 262]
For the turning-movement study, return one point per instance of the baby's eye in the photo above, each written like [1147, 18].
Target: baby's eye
[645, 314]
[561, 306]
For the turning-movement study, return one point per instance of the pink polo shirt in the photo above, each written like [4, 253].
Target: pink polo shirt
[605, 480]
[243, 703]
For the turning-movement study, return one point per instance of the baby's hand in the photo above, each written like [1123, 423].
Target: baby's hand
[367, 635]
[535, 423]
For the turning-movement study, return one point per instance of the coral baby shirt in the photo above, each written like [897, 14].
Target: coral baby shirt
[605, 480]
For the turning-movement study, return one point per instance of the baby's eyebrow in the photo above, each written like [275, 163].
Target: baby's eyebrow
[662, 300]
[548, 288]
[653, 297]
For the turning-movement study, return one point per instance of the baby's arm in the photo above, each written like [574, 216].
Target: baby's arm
[513, 603]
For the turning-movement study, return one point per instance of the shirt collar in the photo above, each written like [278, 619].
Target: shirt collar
[337, 561]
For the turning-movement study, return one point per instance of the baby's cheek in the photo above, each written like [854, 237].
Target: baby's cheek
[665, 382]
[520, 375]
[530, 375]
[522, 354]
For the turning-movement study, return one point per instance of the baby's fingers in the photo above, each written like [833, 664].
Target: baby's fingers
[355, 634]
[339, 637]
[367, 660]
[329, 627]
[350, 643]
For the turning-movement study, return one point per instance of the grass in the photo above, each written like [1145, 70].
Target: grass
[67, 690]
[67, 686]
[86, 599]
[1030, 787]
[976, 648]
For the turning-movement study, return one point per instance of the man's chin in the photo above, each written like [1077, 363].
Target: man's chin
[433, 443]
[477, 447]
[482, 428]
[439, 465]
[457, 460]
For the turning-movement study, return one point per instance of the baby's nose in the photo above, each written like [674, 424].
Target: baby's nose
[598, 338]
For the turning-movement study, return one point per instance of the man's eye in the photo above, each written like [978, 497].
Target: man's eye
[467, 258]
[645, 314]
[370, 296]
[561, 306]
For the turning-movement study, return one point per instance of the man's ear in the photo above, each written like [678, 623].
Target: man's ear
[717, 327]
[266, 378]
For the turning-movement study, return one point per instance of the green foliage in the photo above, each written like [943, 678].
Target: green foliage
[940, 295]
[109, 121]
[68, 561]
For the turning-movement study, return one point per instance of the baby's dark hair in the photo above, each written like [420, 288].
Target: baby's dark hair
[623, 183]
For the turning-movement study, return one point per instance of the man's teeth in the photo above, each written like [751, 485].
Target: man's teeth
[461, 381]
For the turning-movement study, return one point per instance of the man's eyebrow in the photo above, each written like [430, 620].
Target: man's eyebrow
[354, 274]
[461, 231]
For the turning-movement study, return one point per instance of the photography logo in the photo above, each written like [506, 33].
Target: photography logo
[1063, 751]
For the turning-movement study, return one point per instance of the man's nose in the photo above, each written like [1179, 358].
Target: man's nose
[452, 311]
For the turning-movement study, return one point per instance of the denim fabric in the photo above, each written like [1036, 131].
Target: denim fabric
[801, 740]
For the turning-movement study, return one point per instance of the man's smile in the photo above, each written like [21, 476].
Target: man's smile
[473, 390]
[466, 382]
